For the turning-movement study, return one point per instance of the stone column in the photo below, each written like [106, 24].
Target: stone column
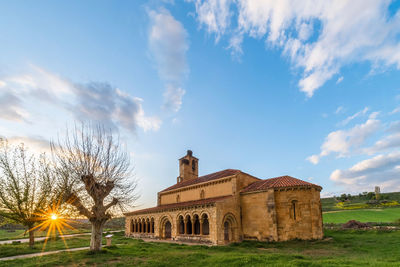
[201, 226]
[185, 223]
[193, 226]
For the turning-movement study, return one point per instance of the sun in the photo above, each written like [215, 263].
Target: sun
[52, 220]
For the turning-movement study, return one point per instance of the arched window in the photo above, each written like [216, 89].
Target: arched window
[152, 225]
[188, 225]
[193, 165]
[202, 194]
[181, 225]
[147, 226]
[178, 198]
[196, 221]
[294, 207]
[205, 225]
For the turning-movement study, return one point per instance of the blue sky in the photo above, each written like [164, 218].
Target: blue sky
[309, 89]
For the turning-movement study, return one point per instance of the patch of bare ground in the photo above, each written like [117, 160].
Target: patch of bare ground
[318, 252]
[269, 249]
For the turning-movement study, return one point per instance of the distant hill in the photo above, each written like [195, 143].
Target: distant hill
[363, 200]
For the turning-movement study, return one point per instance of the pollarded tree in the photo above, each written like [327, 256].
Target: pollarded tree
[95, 176]
[26, 184]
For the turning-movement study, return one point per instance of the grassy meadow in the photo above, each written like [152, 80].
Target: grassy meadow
[387, 215]
[339, 248]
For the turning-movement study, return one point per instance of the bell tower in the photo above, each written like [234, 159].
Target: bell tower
[188, 167]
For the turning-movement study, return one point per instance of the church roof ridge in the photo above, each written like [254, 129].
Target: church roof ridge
[277, 182]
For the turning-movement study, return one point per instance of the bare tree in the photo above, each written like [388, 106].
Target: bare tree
[95, 176]
[26, 184]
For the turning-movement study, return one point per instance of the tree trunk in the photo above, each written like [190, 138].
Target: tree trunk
[31, 238]
[97, 233]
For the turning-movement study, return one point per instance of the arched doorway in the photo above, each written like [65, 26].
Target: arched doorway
[168, 230]
[229, 226]
[165, 228]
[226, 231]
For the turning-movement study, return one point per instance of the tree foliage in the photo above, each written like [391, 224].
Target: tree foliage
[26, 186]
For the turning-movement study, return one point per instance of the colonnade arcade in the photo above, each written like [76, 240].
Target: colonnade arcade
[142, 225]
[193, 225]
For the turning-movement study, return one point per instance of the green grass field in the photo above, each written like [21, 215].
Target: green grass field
[340, 248]
[363, 215]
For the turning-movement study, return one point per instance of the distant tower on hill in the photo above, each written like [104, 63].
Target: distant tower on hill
[377, 192]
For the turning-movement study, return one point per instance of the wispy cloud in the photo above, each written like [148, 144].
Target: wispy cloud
[94, 101]
[35, 144]
[394, 111]
[339, 110]
[168, 44]
[320, 37]
[354, 116]
[11, 107]
[342, 142]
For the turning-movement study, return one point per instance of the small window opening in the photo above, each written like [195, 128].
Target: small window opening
[193, 165]
[294, 204]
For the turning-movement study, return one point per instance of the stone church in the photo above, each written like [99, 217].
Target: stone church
[229, 206]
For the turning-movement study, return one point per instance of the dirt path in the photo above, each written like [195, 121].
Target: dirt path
[41, 254]
[26, 240]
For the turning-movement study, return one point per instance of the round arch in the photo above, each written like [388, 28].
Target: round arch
[165, 227]
[230, 228]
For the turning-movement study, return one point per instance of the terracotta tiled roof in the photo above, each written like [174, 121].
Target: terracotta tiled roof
[178, 205]
[282, 181]
[205, 178]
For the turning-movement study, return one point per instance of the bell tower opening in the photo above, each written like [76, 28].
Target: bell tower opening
[188, 167]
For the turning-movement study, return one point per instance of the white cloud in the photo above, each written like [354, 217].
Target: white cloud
[343, 142]
[382, 170]
[339, 80]
[352, 117]
[11, 107]
[214, 14]
[97, 102]
[35, 144]
[394, 111]
[320, 37]
[385, 143]
[168, 44]
[339, 110]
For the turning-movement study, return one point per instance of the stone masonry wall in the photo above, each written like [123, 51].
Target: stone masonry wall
[308, 221]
